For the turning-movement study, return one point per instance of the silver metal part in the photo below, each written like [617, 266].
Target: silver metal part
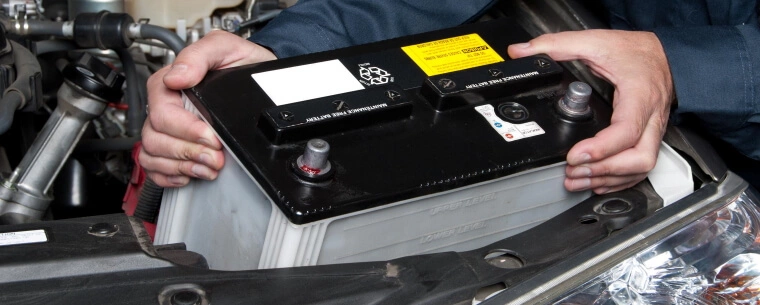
[575, 102]
[27, 191]
[231, 21]
[68, 29]
[21, 9]
[93, 6]
[314, 162]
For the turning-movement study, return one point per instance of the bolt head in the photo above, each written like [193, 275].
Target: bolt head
[103, 229]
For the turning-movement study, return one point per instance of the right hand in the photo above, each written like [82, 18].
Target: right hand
[177, 145]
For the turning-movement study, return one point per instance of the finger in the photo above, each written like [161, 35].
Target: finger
[169, 116]
[168, 181]
[641, 158]
[608, 142]
[628, 122]
[196, 59]
[602, 183]
[171, 167]
[607, 190]
[563, 46]
[161, 145]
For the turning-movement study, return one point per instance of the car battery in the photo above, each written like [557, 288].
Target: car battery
[427, 143]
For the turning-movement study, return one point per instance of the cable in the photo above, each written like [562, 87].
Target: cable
[171, 39]
[260, 19]
[136, 112]
[50, 46]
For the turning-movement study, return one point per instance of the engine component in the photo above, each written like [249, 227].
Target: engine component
[104, 30]
[26, 90]
[168, 12]
[90, 84]
[22, 8]
[77, 7]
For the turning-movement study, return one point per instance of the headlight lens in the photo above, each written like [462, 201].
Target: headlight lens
[715, 260]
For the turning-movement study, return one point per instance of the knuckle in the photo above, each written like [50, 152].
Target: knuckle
[178, 169]
[150, 146]
[185, 153]
[648, 163]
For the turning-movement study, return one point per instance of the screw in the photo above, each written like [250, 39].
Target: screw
[286, 116]
[103, 229]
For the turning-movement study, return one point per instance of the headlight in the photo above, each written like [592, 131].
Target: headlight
[704, 249]
[714, 260]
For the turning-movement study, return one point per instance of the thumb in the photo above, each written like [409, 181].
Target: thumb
[197, 59]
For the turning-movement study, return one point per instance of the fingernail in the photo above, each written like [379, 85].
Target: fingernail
[523, 45]
[581, 171]
[581, 184]
[206, 159]
[178, 180]
[581, 159]
[202, 172]
[204, 142]
[177, 69]
[602, 190]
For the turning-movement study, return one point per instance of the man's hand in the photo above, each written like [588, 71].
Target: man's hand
[176, 144]
[622, 154]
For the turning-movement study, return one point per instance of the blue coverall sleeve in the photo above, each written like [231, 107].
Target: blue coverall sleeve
[319, 25]
[713, 49]
[716, 75]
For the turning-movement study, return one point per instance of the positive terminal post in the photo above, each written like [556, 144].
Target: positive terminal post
[314, 163]
[574, 105]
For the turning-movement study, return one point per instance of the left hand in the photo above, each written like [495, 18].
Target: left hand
[622, 154]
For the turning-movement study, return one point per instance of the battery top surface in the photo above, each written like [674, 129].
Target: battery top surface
[403, 118]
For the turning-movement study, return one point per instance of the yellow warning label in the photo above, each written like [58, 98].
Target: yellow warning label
[452, 54]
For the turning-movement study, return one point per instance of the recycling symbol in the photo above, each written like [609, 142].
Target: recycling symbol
[374, 75]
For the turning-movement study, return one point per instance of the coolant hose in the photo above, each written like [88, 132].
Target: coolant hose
[20, 92]
[135, 112]
[171, 39]
[8, 106]
[39, 27]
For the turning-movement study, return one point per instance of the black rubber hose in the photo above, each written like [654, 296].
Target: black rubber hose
[39, 27]
[19, 93]
[27, 67]
[101, 145]
[135, 112]
[149, 201]
[8, 106]
[50, 46]
[171, 39]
